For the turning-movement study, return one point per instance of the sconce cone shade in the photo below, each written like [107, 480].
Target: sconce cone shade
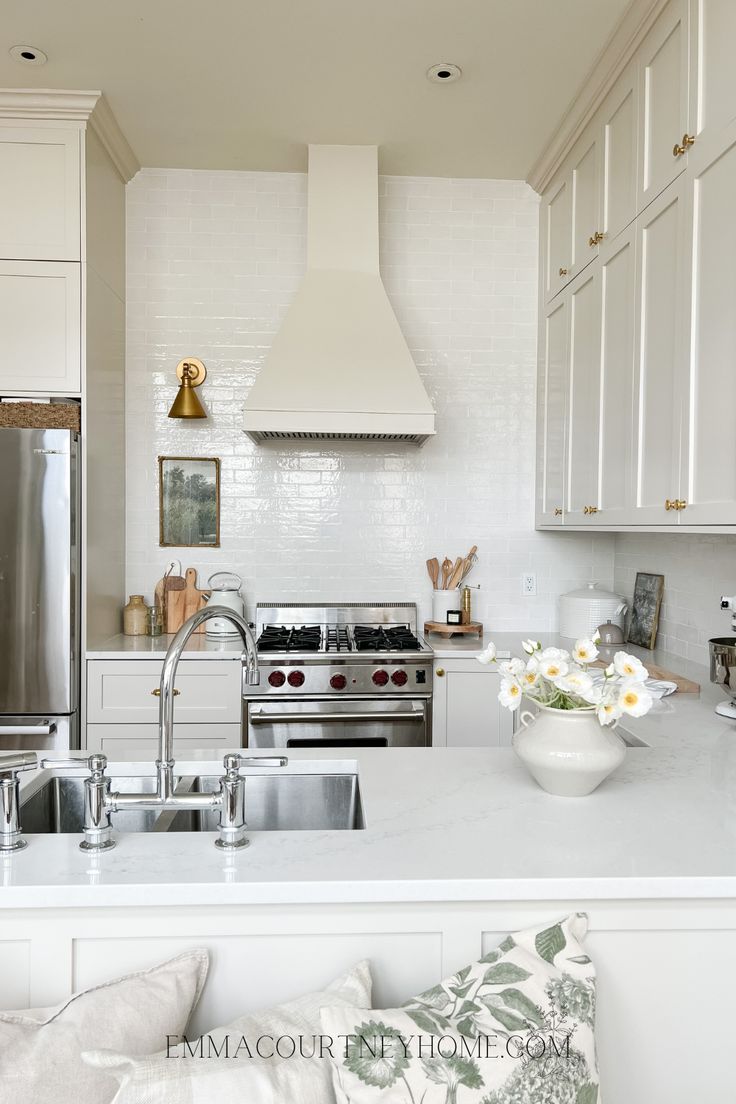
[186, 404]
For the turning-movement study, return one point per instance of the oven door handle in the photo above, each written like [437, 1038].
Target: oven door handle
[260, 716]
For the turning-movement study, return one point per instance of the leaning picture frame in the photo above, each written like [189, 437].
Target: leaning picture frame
[189, 501]
[648, 591]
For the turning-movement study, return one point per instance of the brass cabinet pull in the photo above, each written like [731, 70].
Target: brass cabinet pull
[675, 504]
[678, 149]
[596, 239]
[563, 272]
[157, 692]
[558, 511]
[590, 509]
[440, 672]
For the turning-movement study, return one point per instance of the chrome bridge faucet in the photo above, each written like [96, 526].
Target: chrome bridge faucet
[99, 799]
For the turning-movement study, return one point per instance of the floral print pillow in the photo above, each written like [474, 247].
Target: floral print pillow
[516, 1027]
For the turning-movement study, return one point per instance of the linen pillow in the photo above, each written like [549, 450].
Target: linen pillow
[41, 1048]
[516, 1027]
[303, 1077]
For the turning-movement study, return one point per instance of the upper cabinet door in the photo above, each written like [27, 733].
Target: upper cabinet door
[709, 453]
[557, 231]
[40, 328]
[712, 65]
[663, 102]
[619, 151]
[552, 413]
[40, 197]
[586, 217]
[584, 398]
[661, 305]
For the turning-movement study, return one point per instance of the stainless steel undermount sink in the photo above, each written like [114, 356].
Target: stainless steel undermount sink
[287, 802]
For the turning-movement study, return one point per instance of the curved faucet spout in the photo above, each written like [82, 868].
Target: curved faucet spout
[251, 677]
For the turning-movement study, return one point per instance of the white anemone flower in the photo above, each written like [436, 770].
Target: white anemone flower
[513, 667]
[576, 682]
[531, 646]
[529, 678]
[510, 693]
[488, 655]
[554, 653]
[608, 710]
[629, 667]
[584, 651]
[594, 695]
[553, 668]
[634, 699]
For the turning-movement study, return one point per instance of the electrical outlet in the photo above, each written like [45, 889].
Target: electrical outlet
[529, 584]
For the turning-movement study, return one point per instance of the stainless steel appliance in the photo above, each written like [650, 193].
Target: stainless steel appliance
[39, 588]
[354, 675]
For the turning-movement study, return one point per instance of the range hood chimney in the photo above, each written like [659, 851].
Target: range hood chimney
[339, 367]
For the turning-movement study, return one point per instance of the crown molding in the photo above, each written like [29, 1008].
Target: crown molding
[89, 108]
[607, 68]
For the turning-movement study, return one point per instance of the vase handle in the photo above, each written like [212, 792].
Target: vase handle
[523, 718]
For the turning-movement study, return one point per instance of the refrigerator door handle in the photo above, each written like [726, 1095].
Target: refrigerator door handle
[28, 730]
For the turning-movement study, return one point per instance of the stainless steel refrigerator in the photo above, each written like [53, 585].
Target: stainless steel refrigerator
[39, 588]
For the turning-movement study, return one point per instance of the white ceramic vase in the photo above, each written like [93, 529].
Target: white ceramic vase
[567, 751]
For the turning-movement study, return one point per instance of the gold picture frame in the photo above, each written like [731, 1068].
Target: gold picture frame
[188, 502]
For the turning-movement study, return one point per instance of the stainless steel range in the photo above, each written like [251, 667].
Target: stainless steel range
[350, 676]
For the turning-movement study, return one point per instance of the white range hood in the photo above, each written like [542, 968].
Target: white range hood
[339, 367]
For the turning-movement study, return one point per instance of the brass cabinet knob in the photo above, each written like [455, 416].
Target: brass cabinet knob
[558, 511]
[590, 509]
[563, 272]
[681, 504]
[157, 692]
[675, 504]
[679, 148]
[596, 239]
[440, 672]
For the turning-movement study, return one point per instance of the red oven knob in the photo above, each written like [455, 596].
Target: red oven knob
[338, 682]
[276, 678]
[399, 677]
[380, 678]
[296, 678]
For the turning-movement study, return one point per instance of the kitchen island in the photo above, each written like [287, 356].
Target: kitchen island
[458, 847]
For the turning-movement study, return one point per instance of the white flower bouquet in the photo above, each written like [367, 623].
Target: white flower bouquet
[557, 679]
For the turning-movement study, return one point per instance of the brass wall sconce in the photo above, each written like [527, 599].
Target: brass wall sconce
[190, 373]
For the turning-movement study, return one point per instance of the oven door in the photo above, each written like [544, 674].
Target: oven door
[390, 722]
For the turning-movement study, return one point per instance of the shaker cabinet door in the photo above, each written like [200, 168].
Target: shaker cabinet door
[619, 153]
[557, 231]
[663, 101]
[712, 66]
[584, 359]
[661, 306]
[40, 349]
[466, 711]
[40, 197]
[586, 218]
[709, 447]
[552, 413]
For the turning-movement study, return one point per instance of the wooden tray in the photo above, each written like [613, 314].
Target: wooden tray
[453, 630]
[684, 685]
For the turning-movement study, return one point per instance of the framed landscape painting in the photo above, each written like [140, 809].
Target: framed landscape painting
[189, 502]
[648, 591]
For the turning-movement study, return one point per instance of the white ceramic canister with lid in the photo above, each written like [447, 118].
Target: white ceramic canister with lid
[583, 610]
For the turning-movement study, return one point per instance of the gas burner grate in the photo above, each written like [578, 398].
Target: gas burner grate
[397, 638]
[297, 638]
[338, 638]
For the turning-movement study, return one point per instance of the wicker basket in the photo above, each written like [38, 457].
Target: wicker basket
[31, 415]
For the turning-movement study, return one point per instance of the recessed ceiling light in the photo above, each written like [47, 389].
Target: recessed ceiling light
[444, 73]
[28, 55]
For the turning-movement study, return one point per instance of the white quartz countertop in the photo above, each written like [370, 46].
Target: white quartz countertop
[441, 824]
[199, 646]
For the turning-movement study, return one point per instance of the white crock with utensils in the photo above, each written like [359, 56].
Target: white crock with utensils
[225, 587]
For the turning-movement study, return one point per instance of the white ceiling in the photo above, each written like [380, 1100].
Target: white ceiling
[245, 84]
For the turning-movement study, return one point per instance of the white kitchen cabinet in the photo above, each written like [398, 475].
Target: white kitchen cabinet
[708, 476]
[661, 310]
[126, 742]
[556, 230]
[40, 335]
[619, 154]
[466, 711]
[125, 691]
[586, 215]
[552, 412]
[583, 417]
[712, 67]
[664, 102]
[40, 192]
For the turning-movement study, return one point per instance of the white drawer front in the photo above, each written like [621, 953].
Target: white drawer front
[125, 742]
[121, 691]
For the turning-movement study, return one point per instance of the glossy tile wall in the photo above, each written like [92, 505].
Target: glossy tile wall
[213, 261]
[697, 571]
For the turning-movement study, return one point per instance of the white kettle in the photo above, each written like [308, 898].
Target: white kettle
[225, 587]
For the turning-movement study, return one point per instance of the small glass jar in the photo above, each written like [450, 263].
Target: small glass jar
[135, 616]
[155, 620]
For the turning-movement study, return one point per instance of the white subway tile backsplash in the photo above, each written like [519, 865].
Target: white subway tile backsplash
[214, 259]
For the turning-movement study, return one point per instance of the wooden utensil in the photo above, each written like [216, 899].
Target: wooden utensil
[433, 570]
[446, 572]
[457, 571]
[194, 599]
[174, 587]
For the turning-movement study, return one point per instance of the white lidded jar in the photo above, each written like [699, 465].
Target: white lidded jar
[225, 587]
[583, 610]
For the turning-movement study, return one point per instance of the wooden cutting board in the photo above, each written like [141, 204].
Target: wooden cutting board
[174, 588]
[194, 599]
[684, 685]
